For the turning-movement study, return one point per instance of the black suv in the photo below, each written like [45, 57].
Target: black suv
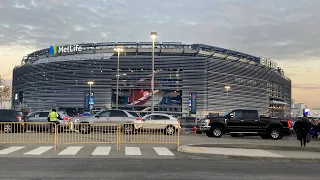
[11, 121]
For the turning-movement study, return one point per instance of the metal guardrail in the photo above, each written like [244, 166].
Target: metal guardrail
[26, 133]
[85, 133]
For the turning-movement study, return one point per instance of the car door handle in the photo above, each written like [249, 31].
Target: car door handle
[256, 120]
[241, 120]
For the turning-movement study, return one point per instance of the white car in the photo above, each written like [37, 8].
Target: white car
[164, 122]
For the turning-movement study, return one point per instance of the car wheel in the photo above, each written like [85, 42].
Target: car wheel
[7, 128]
[85, 128]
[170, 130]
[275, 134]
[216, 132]
[128, 128]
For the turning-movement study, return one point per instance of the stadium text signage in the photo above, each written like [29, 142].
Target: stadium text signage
[64, 49]
[268, 63]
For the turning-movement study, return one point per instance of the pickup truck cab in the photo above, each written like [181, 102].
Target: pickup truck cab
[247, 122]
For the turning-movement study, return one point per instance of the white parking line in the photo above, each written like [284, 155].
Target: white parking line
[40, 150]
[71, 150]
[135, 151]
[101, 151]
[11, 149]
[162, 151]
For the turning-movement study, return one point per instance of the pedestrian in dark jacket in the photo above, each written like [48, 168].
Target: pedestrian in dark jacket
[302, 127]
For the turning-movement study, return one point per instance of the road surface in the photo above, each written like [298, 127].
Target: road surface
[160, 169]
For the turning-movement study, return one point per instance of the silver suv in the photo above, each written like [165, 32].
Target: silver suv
[42, 116]
[130, 121]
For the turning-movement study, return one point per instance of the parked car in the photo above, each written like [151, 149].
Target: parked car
[248, 122]
[165, 122]
[129, 120]
[41, 117]
[11, 121]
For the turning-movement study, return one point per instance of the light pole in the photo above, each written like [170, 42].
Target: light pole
[227, 89]
[90, 92]
[118, 49]
[153, 37]
[1, 87]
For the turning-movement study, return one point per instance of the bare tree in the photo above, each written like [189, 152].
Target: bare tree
[5, 92]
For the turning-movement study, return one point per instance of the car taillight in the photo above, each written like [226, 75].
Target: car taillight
[66, 118]
[289, 124]
[139, 119]
[19, 118]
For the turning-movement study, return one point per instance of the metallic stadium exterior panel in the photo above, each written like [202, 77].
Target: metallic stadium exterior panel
[60, 80]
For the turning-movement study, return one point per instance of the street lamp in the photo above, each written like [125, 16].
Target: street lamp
[90, 85]
[227, 89]
[118, 49]
[153, 37]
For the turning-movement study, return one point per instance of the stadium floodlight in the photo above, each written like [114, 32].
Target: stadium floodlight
[153, 37]
[118, 49]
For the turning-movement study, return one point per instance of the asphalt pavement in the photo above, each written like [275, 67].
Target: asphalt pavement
[162, 169]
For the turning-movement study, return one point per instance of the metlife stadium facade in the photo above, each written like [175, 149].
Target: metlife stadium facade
[191, 77]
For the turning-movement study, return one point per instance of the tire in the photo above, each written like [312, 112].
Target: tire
[275, 134]
[7, 128]
[84, 128]
[170, 130]
[264, 136]
[216, 132]
[128, 128]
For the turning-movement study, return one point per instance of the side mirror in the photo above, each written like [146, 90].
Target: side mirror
[230, 116]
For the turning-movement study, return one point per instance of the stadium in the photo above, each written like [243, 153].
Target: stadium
[189, 78]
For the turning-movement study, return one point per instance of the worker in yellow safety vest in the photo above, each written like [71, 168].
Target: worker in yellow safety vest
[53, 118]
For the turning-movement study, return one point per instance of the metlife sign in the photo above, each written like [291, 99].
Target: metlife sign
[54, 49]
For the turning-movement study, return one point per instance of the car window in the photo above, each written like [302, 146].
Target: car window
[159, 117]
[116, 113]
[104, 114]
[6, 113]
[43, 114]
[251, 115]
[134, 114]
[235, 115]
[35, 114]
[149, 117]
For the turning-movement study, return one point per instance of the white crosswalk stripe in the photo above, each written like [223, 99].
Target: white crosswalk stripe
[38, 151]
[132, 151]
[106, 151]
[72, 150]
[101, 151]
[162, 151]
[11, 149]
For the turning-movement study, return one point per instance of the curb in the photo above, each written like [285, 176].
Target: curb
[239, 157]
[263, 147]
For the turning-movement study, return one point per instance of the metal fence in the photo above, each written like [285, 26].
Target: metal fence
[85, 133]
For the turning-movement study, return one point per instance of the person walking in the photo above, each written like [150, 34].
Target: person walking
[53, 119]
[302, 127]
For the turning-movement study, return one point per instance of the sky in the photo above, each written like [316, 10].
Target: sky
[286, 31]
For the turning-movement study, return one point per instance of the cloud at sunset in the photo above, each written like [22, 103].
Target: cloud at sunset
[285, 31]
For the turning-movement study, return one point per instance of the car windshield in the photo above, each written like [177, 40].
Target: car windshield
[226, 113]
